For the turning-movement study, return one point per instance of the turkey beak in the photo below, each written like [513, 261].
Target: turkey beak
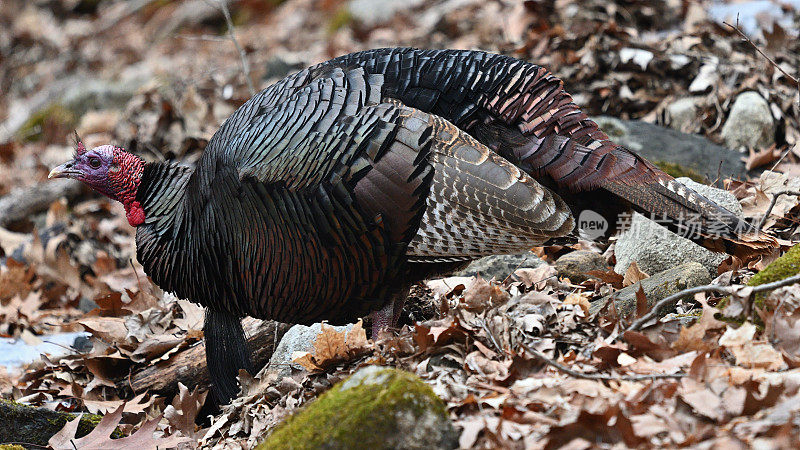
[65, 170]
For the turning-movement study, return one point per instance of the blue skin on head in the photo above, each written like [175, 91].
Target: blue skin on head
[92, 167]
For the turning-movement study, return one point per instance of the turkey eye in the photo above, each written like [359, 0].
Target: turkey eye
[94, 162]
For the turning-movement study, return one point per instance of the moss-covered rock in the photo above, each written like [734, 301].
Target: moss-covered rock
[784, 267]
[376, 408]
[678, 171]
[54, 118]
[31, 425]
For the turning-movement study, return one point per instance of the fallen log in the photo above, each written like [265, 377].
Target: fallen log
[31, 426]
[189, 366]
[21, 203]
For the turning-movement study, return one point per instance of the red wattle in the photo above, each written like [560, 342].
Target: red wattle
[135, 213]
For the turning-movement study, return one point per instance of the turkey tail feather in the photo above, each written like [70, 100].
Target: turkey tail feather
[693, 216]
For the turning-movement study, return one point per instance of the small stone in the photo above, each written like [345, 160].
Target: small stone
[657, 287]
[378, 408]
[683, 114]
[750, 123]
[499, 266]
[299, 338]
[578, 264]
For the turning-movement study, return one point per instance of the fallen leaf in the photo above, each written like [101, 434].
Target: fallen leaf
[183, 411]
[633, 275]
[100, 436]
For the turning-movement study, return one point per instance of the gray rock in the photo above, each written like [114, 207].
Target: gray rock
[377, 407]
[576, 265]
[655, 248]
[663, 249]
[683, 114]
[659, 144]
[657, 287]
[750, 123]
[299, 338]
[371, 13]
[499, 266]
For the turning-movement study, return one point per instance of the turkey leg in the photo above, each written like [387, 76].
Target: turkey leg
[226, 353]
[387, 317]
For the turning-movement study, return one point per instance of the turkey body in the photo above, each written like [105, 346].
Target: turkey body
[329, 193]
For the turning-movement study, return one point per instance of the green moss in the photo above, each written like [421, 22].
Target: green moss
[37, 425]
[783, 267]
[358, 414]
[677, 171]
[54, 116]
[11, 447]
[340, 19]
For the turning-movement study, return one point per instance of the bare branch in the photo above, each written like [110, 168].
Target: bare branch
[771, 61]
[729, 290]
[594, 376]
[772, 205]
[242, 56]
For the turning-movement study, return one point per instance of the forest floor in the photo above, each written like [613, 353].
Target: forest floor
[521, 362]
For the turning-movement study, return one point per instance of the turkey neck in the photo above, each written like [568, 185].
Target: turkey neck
[166, 243]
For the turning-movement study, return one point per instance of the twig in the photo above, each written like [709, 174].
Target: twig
[242, 56]
[772, 205]
[785, 153]
[516, 268]
[730, 290]
[203, 38]
[131, 8]
[771, 61]
[591, 376]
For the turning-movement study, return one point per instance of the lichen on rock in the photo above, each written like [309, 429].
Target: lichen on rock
[377, 407]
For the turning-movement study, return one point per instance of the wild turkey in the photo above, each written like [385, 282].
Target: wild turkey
[328, 194]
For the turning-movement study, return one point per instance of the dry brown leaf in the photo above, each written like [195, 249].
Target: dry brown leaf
[306, 361]
[137, 404]
[109, 329]
[181, 414]
[100, 437]
[702, 400]
[538, 277]
[642, 306]
[15, 279]
[693, 337]
[578, 298]
[633, 275]
[330, 344]
[332, 347]
[762, 157]
[157, 347]
[482, 294]
[356, 338]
